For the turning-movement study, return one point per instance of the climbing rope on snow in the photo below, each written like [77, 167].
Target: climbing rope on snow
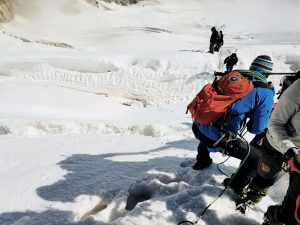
[187, 222]
[218, 166]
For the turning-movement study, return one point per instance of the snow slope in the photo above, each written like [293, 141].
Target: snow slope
[92, 119]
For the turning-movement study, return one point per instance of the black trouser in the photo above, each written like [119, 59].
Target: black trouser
[240, 149]
[229, 68]
[217, 47]
[289, 202]
[269, 166]
[212, 47]
[284, 213]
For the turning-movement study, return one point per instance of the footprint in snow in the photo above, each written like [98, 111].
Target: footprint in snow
[99, 205]
[138, 194]
[187, 163]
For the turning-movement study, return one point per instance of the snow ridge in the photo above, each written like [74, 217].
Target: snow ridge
[36, 127]
[143, 79]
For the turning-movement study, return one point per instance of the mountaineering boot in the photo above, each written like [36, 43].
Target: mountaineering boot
[267, 222]
[200, 165]
[253, 195]
[244, 206]
[272, 215]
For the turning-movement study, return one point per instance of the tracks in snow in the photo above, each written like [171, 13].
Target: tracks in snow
[141, 79]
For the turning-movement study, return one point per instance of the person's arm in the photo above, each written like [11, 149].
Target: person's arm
[261, 111]
[237, 112]
[287, 106]
[258, 103]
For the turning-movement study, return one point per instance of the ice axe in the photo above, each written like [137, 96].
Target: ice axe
[220, 74]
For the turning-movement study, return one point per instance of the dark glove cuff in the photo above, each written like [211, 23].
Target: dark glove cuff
[297, 161]
[291, 152]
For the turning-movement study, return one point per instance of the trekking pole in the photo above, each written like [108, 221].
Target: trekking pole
[269, 74]
[274, 74]
[187, 222]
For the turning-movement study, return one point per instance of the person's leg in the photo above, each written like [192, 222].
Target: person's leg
[248, 169]
[289, 201]
[229, 68]
[203, 158]
[297, 210]
[285, 213]
[268, 168]
[211, 48]
[217, 47]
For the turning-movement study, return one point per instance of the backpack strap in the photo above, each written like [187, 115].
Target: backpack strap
[257, 79]
[253, 75]
[261, 84]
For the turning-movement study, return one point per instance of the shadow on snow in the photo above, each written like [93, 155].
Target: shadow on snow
[97, 174]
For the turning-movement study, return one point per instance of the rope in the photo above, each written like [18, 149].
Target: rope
[233, 176]
[186, 222]
[218, 166]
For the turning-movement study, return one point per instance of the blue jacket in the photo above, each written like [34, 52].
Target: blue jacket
[257, 102]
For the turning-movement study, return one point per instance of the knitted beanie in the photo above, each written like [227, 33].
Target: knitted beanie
[262, 64]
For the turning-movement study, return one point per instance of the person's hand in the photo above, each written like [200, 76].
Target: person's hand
[297, 161]
[291, 152]
[294, 162]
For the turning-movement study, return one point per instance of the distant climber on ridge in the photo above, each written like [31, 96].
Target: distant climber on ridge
[230, 61]
[220, 41]
[213, 40]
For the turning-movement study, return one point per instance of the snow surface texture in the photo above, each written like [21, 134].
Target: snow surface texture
[92, 123]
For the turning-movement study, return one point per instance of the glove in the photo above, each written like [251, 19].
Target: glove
[294, 164]
[291, 152]
[258, 139]
[293, 155]
[297, 161]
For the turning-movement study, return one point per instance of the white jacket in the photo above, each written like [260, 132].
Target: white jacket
[284, 124]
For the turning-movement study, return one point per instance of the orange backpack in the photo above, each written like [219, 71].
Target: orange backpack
[214, 99]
